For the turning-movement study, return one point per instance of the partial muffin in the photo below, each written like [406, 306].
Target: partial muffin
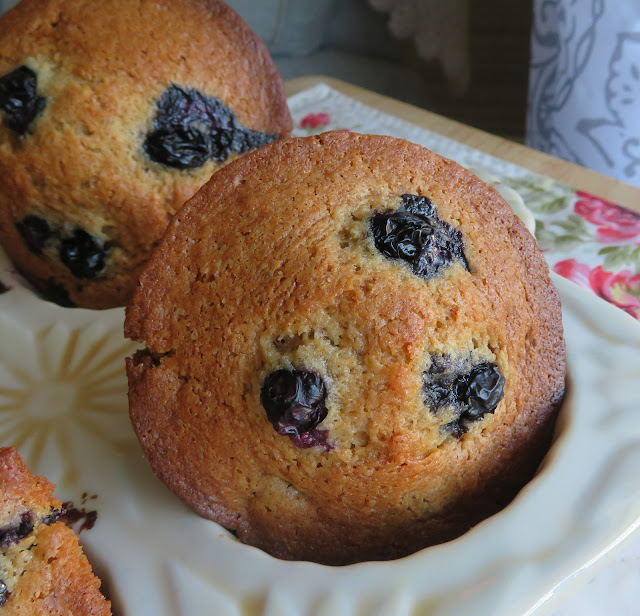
[42, 567]
[353, 350]
[112, 114]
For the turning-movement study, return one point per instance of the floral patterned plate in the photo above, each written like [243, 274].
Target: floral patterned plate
[63, 404]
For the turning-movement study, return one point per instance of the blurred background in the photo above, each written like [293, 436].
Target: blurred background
[563, 76]
[467, 60]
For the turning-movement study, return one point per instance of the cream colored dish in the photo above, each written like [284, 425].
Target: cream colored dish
[63, 403]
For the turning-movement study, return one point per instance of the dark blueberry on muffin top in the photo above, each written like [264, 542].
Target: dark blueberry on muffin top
[415, 234]
[35, 231]
[471, 390]
[4, 593]
[191, 127]
[83, 254]
[55, 292]
[480, 390]
[19, 100]
[294, 402]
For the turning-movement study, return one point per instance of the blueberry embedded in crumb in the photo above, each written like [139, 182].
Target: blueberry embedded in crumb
[83, 254]
[19, 100]
[314, 438]
[419, 205]
[180, 147]
[480, 390]
[54, 292]
[415, 234]
[26, 525]
[245, 140]
[470, 390]
[294, 402]
[182, 128]
[191, 127]
[4, 288]
[4, 593]
[456, 428]
[35, 231]
[16, 532]
[52, 517]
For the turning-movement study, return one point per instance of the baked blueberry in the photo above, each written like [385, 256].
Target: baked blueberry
[3, 288]
[83, 254]
[15, 532]
[470, 390]
[294, 402]
[314, 438]
[245, 139]
[35, 231]
[480, 390]
[4, 593]
[191, 127]
[54, 292]
[182, 147]
[53, 516]
[19, 99]
[414, 233]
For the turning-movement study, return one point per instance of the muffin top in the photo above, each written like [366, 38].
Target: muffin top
[353, 349]
[112, 115]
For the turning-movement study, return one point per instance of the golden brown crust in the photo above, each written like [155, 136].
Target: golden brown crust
[21, 490]
[102, 67]
[268, 266]
[44, 572]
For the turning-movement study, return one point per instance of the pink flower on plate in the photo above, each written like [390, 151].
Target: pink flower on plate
[616, 225]
[314, 120]
[619, 288]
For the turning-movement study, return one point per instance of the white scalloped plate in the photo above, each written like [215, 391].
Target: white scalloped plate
[63, 403]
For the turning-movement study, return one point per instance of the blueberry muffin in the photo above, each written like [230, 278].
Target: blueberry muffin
[42, 567]
[112, 114]
[353, 350]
